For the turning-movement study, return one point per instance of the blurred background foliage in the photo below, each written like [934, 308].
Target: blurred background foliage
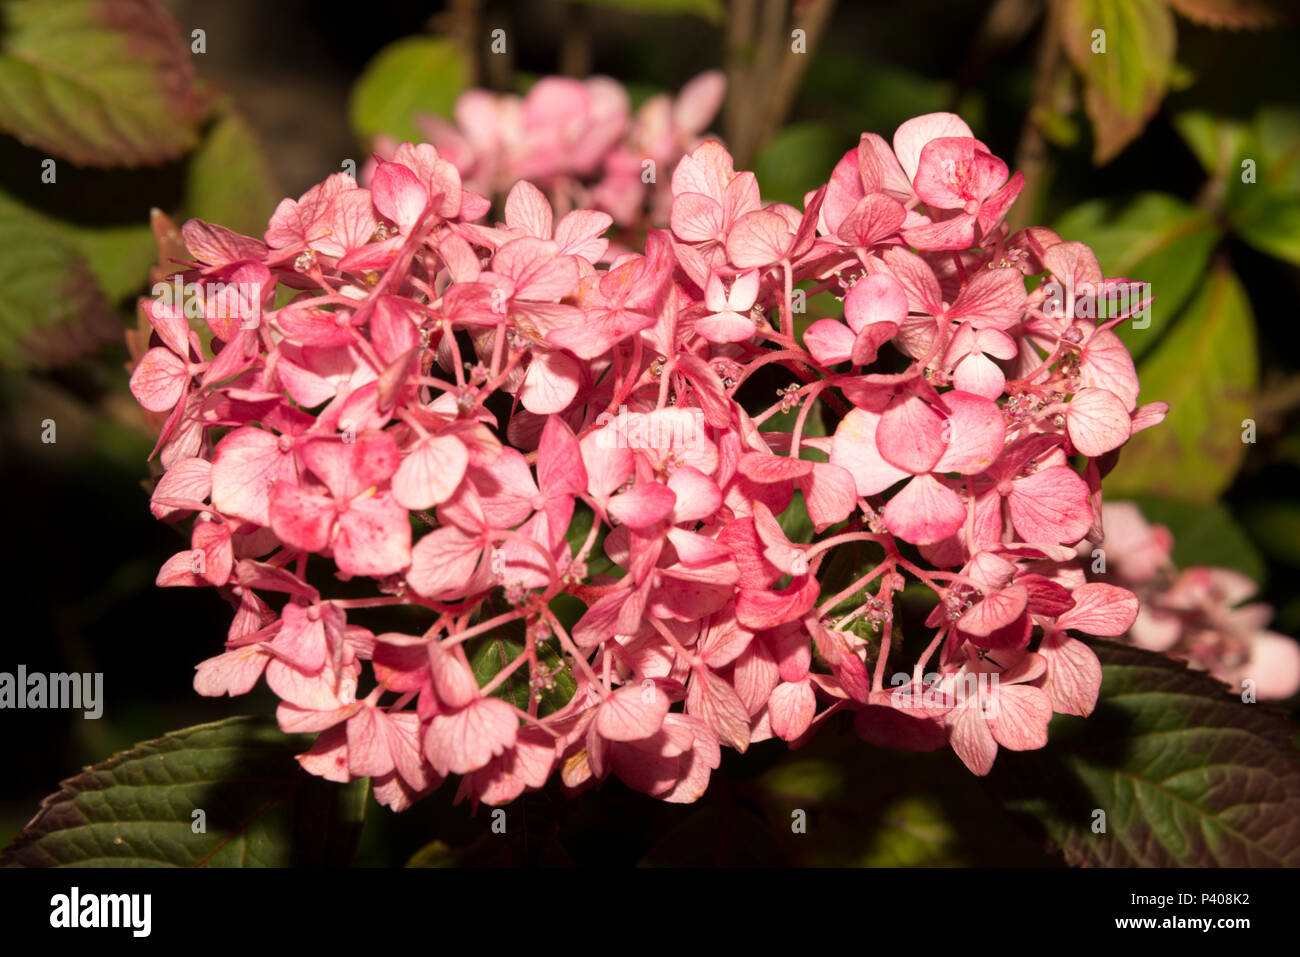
[1175, 154]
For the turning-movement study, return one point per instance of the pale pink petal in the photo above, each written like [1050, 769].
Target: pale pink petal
[1073, 675]
[698, 496]
[979, 375]
[759, 238]
[829, 340]
[696, 218]
[528, 209]
[712, 699]
[924, 511]
[829, 493]
[976, 433]
[910, 138]
[911, 435]
[875, 298]
[995, 611]
[854, 449]
[374, 537]
[1097, 421]
[632, 712]
[971, 738]
[467, 739]
[1019, 720]
[643, 505]
[159, 380]
[551, 383]
[791, 709]
[1100, 609]
[1274, 666]
[443, 561]
[430, 472]
[1050, 506]
[399, 195]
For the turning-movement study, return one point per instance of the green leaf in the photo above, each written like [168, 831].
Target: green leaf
[412, 76]
[493, 652]
[53, 310]
[137, 809]
[1186, 774]
[915, 832]
[1258, 165]
[1276, 526]
[1204, 535]
[1266, 212]
[1208, 371]
[1153, 238]
[1275, 230]
[100, 82]
[1122, 86]
[796, 160]
[229, 180]
[435, 854]
[1215, 142]
[711, 10]
[902, 830]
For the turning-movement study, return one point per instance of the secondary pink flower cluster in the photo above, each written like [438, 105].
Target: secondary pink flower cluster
[1196, 613]
[578, 141]
[392, 411]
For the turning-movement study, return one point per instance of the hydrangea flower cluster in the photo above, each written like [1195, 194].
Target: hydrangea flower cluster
[1195, 613]
[388, 407]
[576, 140]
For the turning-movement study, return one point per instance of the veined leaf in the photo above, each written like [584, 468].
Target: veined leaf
[100, 82]
[1184, 772]
[1208, 371]
[53, 310]
[1124, 81]
[140, 808]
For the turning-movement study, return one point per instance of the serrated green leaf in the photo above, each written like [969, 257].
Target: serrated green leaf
[1153, 238]
[100, 82]
[229, 180]
[1185, 773]
[137, 809]
[1207, 369]
[412, 76]
[1122, 86]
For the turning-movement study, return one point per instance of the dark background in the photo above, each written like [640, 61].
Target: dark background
[81, 549]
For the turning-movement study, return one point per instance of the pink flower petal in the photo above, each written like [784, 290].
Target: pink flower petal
[1097, 421]
[924, 511]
